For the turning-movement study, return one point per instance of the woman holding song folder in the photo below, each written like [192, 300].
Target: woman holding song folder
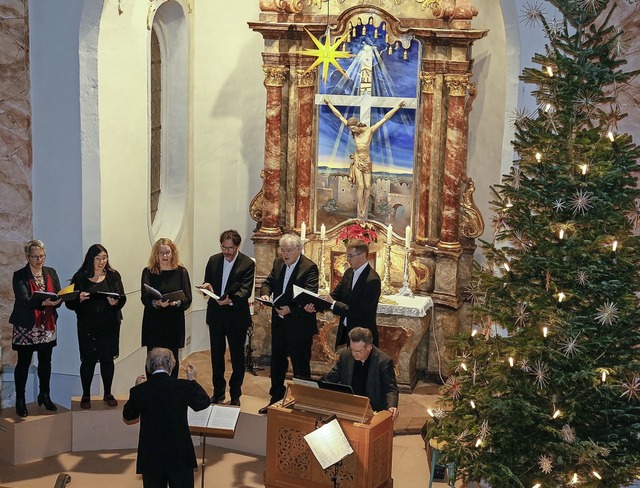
[98, 308]
[163, 320]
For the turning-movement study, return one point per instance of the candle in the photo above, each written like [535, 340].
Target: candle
[303, 231]
[323, 231]
[407, 238]
[389, 234]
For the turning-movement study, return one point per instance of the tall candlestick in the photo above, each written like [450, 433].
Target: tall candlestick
[323, 231]
[407, 238]
[389, 234]
[303, 231]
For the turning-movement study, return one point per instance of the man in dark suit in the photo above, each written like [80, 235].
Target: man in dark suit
[292, 328]
[229, 274]
[165, 450]
[356, 296]
[368, 370]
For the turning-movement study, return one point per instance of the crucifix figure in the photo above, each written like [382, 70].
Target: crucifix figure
[360, 168]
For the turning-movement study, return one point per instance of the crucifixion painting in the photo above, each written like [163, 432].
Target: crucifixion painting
[366, 132]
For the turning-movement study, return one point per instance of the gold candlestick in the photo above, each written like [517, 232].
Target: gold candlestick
[387, 289]
[323, 285]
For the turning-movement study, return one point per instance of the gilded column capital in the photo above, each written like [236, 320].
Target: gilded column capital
[427, 82]
[274, 75]
[457, 84]
[306, 78]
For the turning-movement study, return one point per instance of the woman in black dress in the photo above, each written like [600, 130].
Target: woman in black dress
[98, 310]
[163, 320]
[34, 324]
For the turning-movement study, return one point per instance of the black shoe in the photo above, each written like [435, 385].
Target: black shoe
[235, 402]
[21, 407]
[215, 400]
[44, 399]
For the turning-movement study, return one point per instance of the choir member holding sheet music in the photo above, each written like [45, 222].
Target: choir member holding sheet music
[34, 323]
[163, 320]
[160, 401]
[292, 328]
[98, 309]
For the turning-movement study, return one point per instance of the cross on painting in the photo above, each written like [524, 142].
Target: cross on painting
[366, 131]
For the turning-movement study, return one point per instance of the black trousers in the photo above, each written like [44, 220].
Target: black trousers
[21, 371]
[284, 345]
[219, 334]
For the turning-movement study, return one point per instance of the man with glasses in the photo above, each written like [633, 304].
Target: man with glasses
[368, 370]
[355, 298]
[229, 274]
[292, 328]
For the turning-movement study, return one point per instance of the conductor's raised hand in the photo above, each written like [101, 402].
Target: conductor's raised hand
[192, 372]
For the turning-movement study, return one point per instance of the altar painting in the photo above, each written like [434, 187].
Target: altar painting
[382, 78]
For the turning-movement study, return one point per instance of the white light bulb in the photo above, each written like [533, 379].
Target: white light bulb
[511, 361]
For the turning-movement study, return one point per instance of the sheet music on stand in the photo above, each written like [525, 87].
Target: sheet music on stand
[329, 444]
[217, 420]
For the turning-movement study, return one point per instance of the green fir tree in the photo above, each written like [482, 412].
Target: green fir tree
[546, 390]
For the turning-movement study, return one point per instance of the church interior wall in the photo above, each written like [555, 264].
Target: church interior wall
[90, 145]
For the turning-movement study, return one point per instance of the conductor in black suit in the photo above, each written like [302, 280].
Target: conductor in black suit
[292, 328]
[165, 449]
[368, 370]
[229, 274]
[355, 298]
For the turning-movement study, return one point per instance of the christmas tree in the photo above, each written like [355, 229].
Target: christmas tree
[545, 391]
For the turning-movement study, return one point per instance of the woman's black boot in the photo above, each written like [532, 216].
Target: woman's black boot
[21, 407]
[44, 399]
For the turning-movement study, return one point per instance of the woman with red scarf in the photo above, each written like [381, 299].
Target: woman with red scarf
[34, 324]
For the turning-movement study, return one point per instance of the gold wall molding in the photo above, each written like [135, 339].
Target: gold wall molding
[306, 78]
[427, 82]
[457, 85]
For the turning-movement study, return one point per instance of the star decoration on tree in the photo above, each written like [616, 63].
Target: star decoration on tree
[568, 434]
[521, 314]
[524, 366]
[532, 13]
[582, 277]
[581, 201]
[631, 388]
[541, 373]
[546, 466]
[327, 53]
[569, 346]
[559, 205]
[633, 215]
[453, 387]
[484, 430]
[607, 313]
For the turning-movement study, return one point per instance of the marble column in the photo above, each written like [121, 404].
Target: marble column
[454, 161]
[274, 80]
[427, 84]
[306, 89]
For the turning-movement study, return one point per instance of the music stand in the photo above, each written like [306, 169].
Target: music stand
[329, 445]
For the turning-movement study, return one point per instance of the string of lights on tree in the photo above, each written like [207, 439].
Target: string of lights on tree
[545, 390]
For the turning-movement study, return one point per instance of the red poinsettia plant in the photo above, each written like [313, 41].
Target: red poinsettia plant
[360, 230]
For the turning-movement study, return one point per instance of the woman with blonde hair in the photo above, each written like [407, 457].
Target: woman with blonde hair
[34, 323]
[163, 320]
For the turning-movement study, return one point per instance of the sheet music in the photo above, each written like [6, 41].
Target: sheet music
[329, 444]
[223, 417]
[200, 418]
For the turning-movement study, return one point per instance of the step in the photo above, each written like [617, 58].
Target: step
[101, 427]
[41, 434]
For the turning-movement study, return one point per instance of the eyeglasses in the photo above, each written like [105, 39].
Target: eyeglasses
[359, 351]
[225, 248]
[101, 258]
[38, 257]
[165, 253]
[287, 251]
[351, 256]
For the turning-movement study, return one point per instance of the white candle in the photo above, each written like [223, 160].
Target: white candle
[389, 234]
[303, 231]
[323, 231]
[407, 238]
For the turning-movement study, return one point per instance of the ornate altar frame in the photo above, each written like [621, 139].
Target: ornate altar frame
[444, 224]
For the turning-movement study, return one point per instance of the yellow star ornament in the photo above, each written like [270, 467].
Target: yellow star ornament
[327, 53]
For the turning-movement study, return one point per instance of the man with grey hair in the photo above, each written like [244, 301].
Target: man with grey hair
[368, 370]
[165, 450]
[292, 328]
